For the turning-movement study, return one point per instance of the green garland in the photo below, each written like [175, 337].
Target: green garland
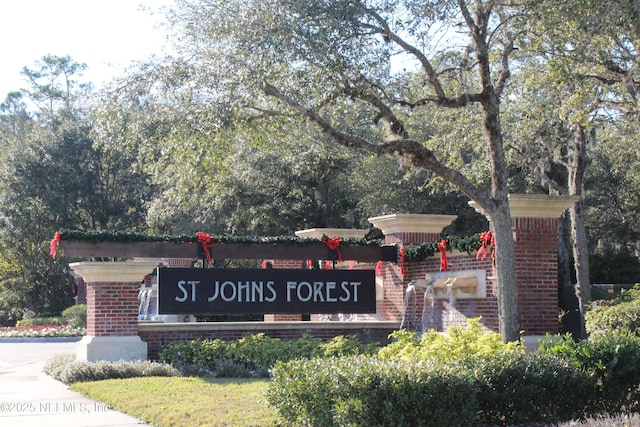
[131, 237]
[418, 253]
[122, 237]
[413, 253]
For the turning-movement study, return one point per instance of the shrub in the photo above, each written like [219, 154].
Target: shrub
[619, 314]
[75, 316]
[459, 342]
[529, 388]
[367, 391]
[255, 353]
[261, 350]
[614, 363]
[346, 346]
[40, 321]
[488, 390]
[67, 369]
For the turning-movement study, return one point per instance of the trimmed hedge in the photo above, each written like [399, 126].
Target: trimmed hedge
[364, 391]
[74, 317]
[368, 391]
[529, 388]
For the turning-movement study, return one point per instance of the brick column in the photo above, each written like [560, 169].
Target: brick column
[403, 229]
[535, 231]
[112, 310]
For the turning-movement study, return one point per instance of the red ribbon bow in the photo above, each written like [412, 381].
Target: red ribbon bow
[333, 244]
[444, 263]
[486, 239]
[53, 245]
[205, 239]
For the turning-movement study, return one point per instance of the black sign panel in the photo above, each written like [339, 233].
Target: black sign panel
[268, 291]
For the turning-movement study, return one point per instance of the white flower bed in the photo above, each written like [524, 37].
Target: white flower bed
[41, 331]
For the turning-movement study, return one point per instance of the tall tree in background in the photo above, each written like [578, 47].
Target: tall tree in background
[55, 174]
[587, 53]
[52, 83]
[331, 63]
[551, 140]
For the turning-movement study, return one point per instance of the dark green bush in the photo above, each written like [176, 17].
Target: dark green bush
[613, 362]
[529, 388]
[195, 352]
[261, 350]
[75, 316]
[480, 390]
[366, 391]
[255, 352]
[614, 266]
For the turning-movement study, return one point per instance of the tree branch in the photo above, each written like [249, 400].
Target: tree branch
[393, 124]
[412, 152]
[424, 61]
[551, 183]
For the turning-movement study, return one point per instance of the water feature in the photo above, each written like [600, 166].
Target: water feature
[451, 297]
[428, 317]
[409, 315]
[147, 303]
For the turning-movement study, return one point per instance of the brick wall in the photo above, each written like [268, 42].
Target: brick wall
[536, 264]
[113, 307]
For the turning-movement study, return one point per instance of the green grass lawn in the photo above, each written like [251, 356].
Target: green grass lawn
[186, 401]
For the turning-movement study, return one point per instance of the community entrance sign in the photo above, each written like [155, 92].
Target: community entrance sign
[260, 291]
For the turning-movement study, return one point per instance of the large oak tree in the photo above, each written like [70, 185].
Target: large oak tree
[345, 66]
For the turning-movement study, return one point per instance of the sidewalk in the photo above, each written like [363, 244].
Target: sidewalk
[29, 398]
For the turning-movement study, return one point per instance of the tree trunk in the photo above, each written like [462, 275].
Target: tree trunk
[500, 213]
[506, 272]
[578, 232]
[581, 260]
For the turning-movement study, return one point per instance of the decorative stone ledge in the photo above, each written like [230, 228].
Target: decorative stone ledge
[539, 205]
[412, 223]
[535, 205]
[128, 272]
[345, 233]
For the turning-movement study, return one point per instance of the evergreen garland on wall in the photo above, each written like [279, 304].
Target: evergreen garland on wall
[413, 253]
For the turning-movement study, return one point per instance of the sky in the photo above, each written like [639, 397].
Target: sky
[107, 35]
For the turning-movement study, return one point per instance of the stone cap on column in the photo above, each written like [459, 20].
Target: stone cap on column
[535, 205]
[105, 271]
[345, 233]
[412, 223]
